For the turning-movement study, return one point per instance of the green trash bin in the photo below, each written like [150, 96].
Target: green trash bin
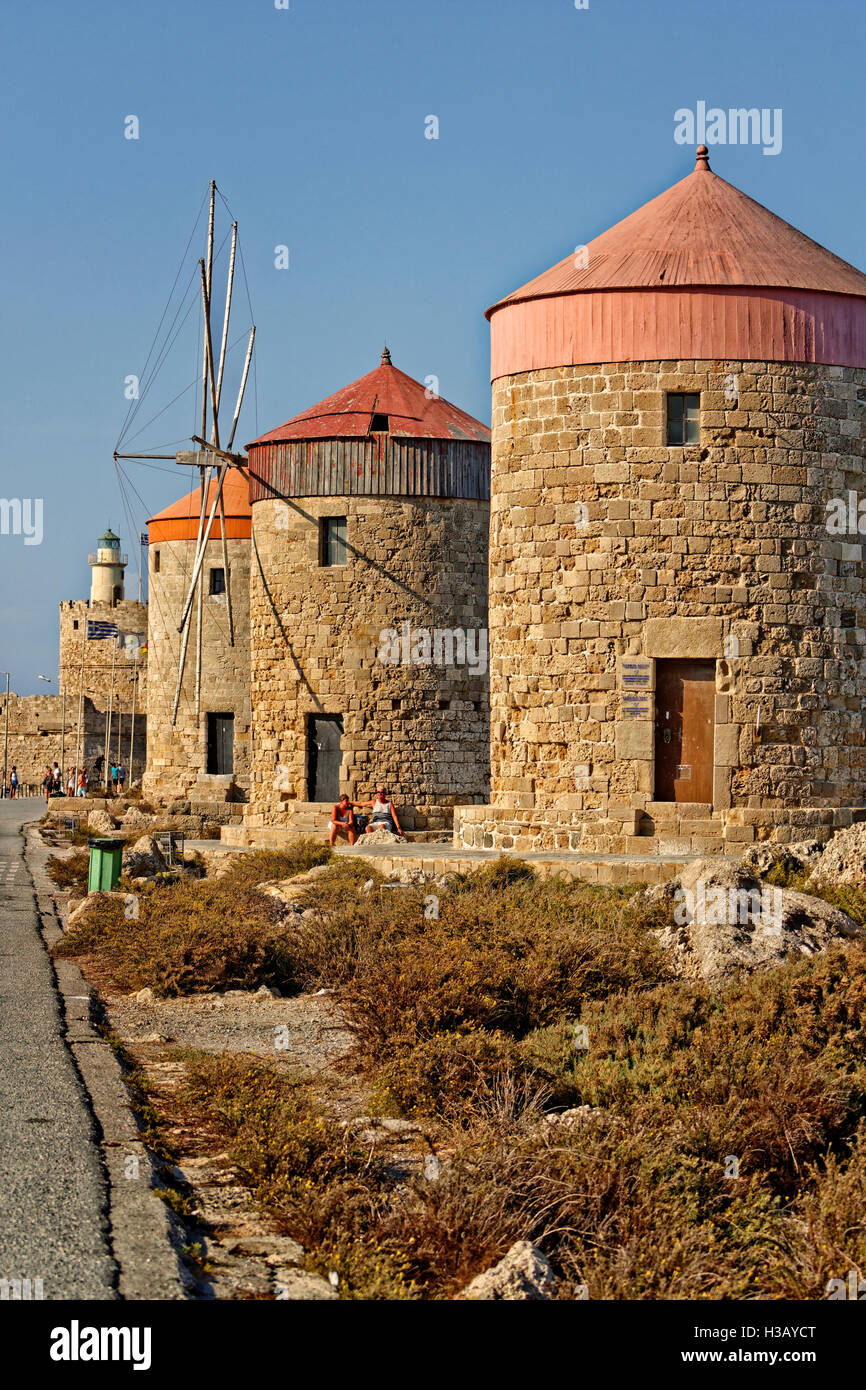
[103, 871]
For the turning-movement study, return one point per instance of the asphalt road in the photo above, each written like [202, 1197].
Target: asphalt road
[53, 1193]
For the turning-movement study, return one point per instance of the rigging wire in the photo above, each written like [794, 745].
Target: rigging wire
[194, 383]
[153, 668]
[164, 351]
[171, 291]
[169, 339]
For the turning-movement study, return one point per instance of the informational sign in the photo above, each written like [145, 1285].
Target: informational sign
[637, 704]
[636, 673]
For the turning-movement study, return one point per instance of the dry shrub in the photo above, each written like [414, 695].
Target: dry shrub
[324, 1187]
[195, 936]
[247, 870]
[470, 1017]
[771, 1070]
[70, 871]
[507, 954]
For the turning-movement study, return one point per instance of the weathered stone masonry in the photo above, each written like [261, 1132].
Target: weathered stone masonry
[419, 730]
[719, 550]
[177, 765]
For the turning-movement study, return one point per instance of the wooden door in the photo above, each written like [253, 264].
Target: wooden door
[685, 726]
[220, 743]
[325, 757]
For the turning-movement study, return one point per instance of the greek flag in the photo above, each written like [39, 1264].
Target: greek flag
[96, 630]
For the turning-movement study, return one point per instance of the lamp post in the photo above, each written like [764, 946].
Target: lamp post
[6, 735]
[48, 680]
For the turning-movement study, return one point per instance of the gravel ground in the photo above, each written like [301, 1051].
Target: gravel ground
[307, 1031]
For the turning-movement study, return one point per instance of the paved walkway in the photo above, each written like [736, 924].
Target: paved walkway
[446, 850]
[602, 869]
[52, 1189]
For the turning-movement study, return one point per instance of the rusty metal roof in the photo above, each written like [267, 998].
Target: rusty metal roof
[412, 411]
[700, 232]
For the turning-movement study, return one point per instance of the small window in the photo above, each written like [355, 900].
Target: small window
[379, 424]
[684, 418]
[217, 581]
[75, 624]
[156, 562]
[332, 540]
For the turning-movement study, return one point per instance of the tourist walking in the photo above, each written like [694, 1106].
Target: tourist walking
[121, 776]
[48, 784]
[13, 783]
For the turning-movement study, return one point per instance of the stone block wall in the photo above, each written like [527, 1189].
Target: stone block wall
[416, 727]
[130, 617]
[36, 735]
[606, 543]
[177, 753]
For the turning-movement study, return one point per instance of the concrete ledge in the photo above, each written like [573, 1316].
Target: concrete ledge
[608, 870]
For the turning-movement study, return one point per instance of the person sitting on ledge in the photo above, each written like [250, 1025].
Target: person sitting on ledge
[343, 821]
[384, 815]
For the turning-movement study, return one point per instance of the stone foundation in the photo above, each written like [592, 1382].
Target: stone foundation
[663, 828]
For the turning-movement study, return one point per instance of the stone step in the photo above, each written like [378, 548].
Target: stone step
[678, 810]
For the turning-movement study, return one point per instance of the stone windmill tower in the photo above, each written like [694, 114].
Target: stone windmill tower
[199, 731]
[676, 589]
[368, 605]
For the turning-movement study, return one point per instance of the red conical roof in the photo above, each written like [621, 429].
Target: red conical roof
[701, 232]
[412, 412]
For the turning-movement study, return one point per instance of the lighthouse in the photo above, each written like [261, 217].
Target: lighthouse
[107, 569]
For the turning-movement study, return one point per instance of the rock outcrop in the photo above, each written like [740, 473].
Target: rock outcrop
[800, 857]
[844, 858]
[524, 1273]
[726, 920]
[144, 860]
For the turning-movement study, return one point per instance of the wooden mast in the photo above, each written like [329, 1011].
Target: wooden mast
[204, 473]
[212, 381]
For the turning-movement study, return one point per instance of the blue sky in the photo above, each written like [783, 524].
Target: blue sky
[553, 124]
